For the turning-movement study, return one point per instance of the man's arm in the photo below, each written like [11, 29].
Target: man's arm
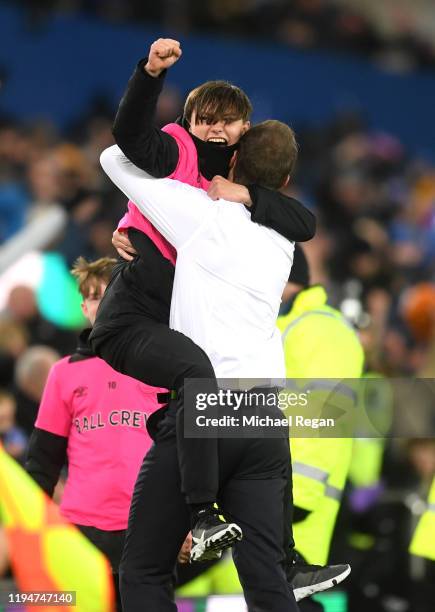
[45, 458]
[135, 133]
[175, 209]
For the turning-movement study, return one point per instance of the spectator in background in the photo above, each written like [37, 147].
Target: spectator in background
[13, 194]
[95, 418]
[63, 175]
[22, 307]
[42, 179]
[76, 181]
[397, 35]
[418, 311]
[13, 341]
[31, 372]
[12, 437]
[421, 455]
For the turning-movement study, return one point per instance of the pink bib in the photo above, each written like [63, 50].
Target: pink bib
[187, 171]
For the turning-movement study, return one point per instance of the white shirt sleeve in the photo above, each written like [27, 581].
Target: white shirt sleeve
[175, 209]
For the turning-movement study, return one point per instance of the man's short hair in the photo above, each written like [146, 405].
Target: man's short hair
[267, 155]
[217, 100]
[91, 274]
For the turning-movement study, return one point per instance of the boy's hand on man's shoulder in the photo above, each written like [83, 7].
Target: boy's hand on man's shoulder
[222, 188]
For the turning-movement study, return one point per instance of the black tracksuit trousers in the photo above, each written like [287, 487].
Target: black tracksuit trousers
[161, 357]
[253, 480]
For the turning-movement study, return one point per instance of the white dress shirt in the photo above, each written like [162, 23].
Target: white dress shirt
[230, 272]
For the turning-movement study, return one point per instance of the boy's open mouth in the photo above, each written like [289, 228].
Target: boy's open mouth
[218, 141]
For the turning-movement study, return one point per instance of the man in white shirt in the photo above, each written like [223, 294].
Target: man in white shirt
[225, 297]
[229, 279]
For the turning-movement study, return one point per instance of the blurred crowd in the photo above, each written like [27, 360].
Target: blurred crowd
[374, 251]
[397, 34]
[375, 244]
[43, 174]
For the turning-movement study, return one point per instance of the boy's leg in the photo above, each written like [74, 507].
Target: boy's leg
[161, 357]
[153, 353]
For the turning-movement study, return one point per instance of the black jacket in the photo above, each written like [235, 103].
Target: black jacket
[143, 287]
[156, 152]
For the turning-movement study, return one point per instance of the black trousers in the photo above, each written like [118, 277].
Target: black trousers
[253, 482]
[111, 544]
[161, 357]
[309, 605]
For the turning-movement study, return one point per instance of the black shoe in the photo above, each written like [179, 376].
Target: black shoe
[308, 579]
[211, 535]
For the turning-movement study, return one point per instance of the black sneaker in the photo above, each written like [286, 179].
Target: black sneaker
[308, 579]
[211, 535]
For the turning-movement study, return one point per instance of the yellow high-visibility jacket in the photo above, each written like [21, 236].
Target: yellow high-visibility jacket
[319, 344]
[423, 540]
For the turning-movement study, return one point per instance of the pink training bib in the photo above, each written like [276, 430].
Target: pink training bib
[187, 171]
[103, 414]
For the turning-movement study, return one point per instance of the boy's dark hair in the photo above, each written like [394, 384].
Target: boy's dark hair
[217, 100]
[266, 155]
[91, 273]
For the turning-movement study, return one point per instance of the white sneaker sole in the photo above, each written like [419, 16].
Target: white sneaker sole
[212, 547]
[209, 555]
[303, 592]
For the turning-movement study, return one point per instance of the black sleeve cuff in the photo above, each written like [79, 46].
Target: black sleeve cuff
[152, 84]
[281, 213]
[253, 194]
[45, 458]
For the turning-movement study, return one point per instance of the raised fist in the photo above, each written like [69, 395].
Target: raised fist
[164, 52]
